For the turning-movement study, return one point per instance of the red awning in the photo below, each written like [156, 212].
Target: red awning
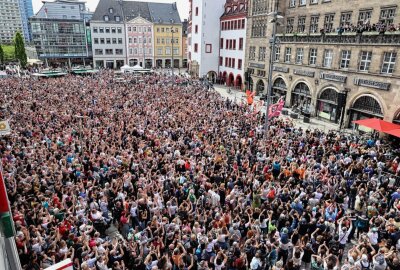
[394, 132]
[377, 124]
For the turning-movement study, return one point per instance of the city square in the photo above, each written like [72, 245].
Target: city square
[199, 134]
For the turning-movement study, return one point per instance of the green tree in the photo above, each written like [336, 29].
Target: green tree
[20, 53]
[1, 55]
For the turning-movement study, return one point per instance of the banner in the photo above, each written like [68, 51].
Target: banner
[4, 128]
[250, 96]
[276, 109]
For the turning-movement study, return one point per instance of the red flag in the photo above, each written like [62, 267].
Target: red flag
[276, 109]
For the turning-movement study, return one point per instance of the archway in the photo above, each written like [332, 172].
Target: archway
[327, 105]
[239, 82]
[260, 86]
[279, 89]
[212, 76]
[231, 80]
[365, 107]
[133, 62]
[301, 97]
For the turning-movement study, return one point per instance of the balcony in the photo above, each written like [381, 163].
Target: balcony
[368, 38]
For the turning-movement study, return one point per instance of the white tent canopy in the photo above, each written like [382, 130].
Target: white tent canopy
[137, 68]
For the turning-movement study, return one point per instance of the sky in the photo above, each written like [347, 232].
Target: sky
[183, 5]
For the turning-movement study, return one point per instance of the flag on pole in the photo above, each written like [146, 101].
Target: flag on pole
[276, 109]
[4, 128]
[250, 97]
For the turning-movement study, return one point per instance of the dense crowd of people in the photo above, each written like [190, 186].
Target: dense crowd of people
[166, 174]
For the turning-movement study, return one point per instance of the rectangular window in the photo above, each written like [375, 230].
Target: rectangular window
[239, 63]
[313, 57]
[101, 30]
[119, 30]
[299, 55]
[288, 54]
[221, 60]
[292, 3]
[389, 60]
[345, 19]
[102, 41]
[328, 57]
[118, 51]
[108, 40]
[252, 52]
[208, 48]
[96, 41]
[134, 29]
[114, 41]
[233, 63]
[113, 30]
[107, 30]
[98, 51]
[95, 30]
[221, 43]
[314, 2]
[167, 50]
[289, 25]
[301, 25]
[109, 51]
[197, 11]
[302, 2]
[159, 51]
[364, 16]
[243, 23]
[277, 54]
[365, 60]
[387, 15]
[240, 43]
[328, 23]
[234, 44]
[226, 61]
[196, 47]
[196, 28]
[345, 61]
[314, 24]
[261, 53]
[119, 40]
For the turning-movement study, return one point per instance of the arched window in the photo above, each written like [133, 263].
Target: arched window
[329, 95]
[367, 104]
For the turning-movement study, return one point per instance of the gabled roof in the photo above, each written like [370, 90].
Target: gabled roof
[164, 13]
[103, 8]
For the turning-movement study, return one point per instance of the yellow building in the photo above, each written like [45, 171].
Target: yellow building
[168, 44]
[167, 34]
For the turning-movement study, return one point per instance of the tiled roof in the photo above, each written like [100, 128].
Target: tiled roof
[155, 12]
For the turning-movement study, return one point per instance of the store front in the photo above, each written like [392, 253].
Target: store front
[301, 98]
[363, 108]
[327, 105]
[279, 89]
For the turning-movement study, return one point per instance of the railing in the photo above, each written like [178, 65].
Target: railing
[345, 38]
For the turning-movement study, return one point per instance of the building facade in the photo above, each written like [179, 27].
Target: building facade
[140, 42]
[259, 31]
[204, 36]
[11, 21]
[167, 35]
[150, 33]
[184, 43]
[109, 35]
[232, 44]
[26, 11]
[340, 65]
[59, 33]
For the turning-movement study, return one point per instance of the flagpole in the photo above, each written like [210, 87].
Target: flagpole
[272, 42]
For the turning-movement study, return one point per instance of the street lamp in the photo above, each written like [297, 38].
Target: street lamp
[274, 42]
[172, 44]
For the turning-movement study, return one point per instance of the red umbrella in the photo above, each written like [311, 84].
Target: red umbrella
[394, 132]
[377, 124]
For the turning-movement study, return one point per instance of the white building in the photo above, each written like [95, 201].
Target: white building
[108, 35]
[232, 44]
[203, 37]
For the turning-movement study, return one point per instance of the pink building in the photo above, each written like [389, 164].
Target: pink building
[140, 42]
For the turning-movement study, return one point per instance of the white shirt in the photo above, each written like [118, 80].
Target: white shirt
[255, 263]
[373, 238]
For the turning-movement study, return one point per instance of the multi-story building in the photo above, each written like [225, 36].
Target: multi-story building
[203, 36]
[167, 35]
[257, 48]
[155, 27]
[14, 16]
[232, 43]
[184, 43]
[109, 35]
[59, 33]
[139, 30]
[337, 64]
